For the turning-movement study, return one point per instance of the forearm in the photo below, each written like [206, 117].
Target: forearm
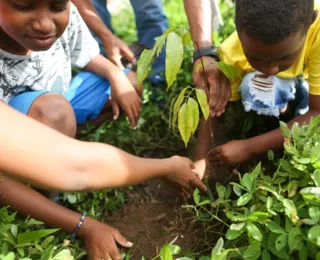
[28, 202]
[92, 19]
[199, 15]
[204, 140]
[274, 140]
[52, 161]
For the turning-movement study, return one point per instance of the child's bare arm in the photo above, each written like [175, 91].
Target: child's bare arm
[235, 152]
[32, 151]
[122, 91]
[100, 239]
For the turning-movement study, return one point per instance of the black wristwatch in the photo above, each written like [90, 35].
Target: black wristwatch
[206, 51]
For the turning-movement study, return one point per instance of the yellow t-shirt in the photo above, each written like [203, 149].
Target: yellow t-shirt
[307, 65]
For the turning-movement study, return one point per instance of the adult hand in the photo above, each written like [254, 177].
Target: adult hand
[123, 94]
[183, 176]
[231, 153]
[115, 49]
[219, 84]
[100, 240]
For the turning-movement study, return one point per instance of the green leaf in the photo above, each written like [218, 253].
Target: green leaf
[175, 250]
[196, 196]
[257, 216]
[237, 190]
[294, 238]
[143, 64]
[266, 255]
[238, 226]
[255, 173]
[65, 254]
[31, 236]
[47, 241]
[203, 101]
[217, 249]
[311, 195]
[195, 113]
[165, 253]
[247, 181]
[254, 231]
[274, 227]
[291, 210]
[292, 188]
[234, 216]
[47, 253]
[72, 198]
[285, 130]
[314, 233]
[314, 213]
[270, 157]
[244, 199]
[316, 177]
[177, 106]
[159, 44]
[253, 252]
[185, 123]
[233, 234]
[281, 242]
[14, 230]
[229, 71]
[303, 252]
[315, 156]
[174, 57]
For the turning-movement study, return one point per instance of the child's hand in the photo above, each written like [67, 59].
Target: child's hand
[183, 176]
[233, 152]
[100, 240]
[125, 95]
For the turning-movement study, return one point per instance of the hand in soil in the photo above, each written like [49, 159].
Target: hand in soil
[100, 240]
[183, 175]
[219, 84]
[231, 153]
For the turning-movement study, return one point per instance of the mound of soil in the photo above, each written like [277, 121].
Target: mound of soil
[152, 217]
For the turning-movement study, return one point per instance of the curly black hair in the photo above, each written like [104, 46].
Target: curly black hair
[271, 21]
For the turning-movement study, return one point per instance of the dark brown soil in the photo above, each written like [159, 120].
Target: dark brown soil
[152, 217]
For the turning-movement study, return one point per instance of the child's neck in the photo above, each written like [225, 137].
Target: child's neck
[10, 45]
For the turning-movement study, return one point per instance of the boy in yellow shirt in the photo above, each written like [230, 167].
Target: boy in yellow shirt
[275, 48]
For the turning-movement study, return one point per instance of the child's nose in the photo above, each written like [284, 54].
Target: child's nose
[271, 70]
[43, 24]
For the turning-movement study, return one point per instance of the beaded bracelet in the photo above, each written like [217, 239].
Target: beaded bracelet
[79, 225]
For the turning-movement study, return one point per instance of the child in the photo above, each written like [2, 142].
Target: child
[39, 40]
[276, 46]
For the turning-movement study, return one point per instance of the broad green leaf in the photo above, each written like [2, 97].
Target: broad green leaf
[292, 188]
[315, 156]
[274, 227]
[195, 113]
[217, 249]
[237, 191]
[291, 210]
[203, 101]
[175, 249]
[316, 177]
[229, 71]
[303, 252]
[311, 195]
[72, 198]
[254, 231]
[234, 216]
[314, 213]
[47, 241]
[257, 216]
[244, 199]
[281, 242]
[247, 181]
[238, 226]
[253, 252]
[177, 106]
[288, 146]
[255, 173]
[186, 37]
[185, 123]
[266, 255]
[159, 44]
[47, 253]
[30, 236]
[314, 124]
[233, 234]
[294, 238]
[65, 254]
[165, 253]
[314, 233]
[143, 65]
[270, 157]
[174, 57]
[285, 130]
[14, 230]
[196, 196]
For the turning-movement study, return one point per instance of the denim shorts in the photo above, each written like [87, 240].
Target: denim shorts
[87, 94]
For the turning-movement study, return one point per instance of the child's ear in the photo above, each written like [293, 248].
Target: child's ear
[315, 15]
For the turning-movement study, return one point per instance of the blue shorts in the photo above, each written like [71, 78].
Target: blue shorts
[87, 94]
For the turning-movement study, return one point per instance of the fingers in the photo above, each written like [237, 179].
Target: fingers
[115, 109]
[225, 94]
[116, 59]
[197, 183]
[121, 240]
[126, 52]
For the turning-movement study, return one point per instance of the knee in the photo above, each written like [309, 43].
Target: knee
[56, 112]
